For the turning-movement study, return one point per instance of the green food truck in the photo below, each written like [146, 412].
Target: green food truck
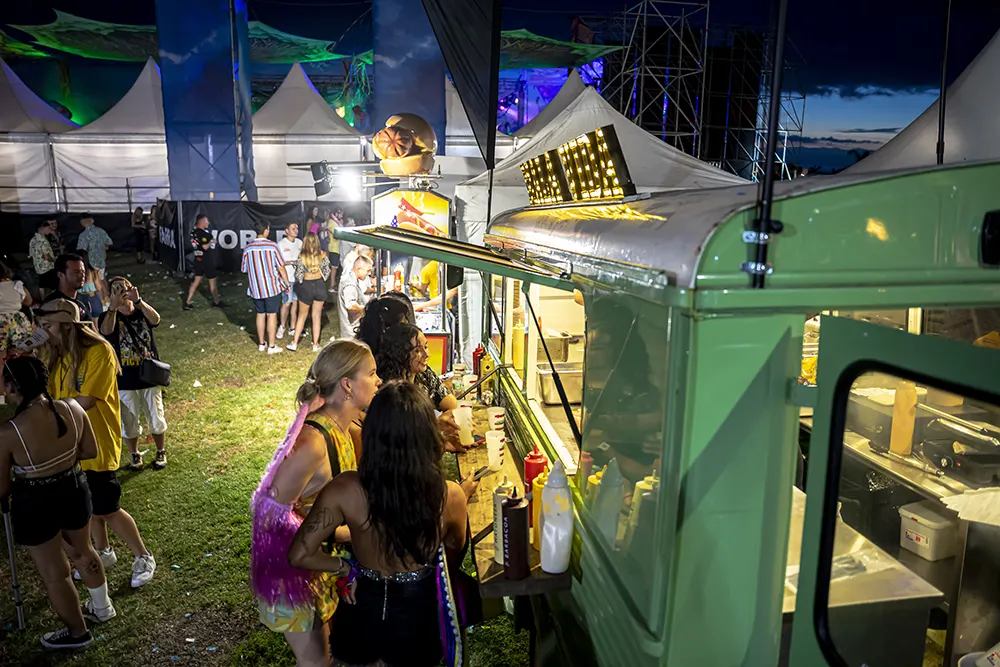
[737, 502]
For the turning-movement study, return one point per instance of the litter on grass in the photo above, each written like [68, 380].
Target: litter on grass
[196, 383]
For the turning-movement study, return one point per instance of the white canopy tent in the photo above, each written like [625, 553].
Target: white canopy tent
[459, 139]
[27, 173]
[297, 126]
[570, 91]
[972, 123]
[653, 165]
[121, 156]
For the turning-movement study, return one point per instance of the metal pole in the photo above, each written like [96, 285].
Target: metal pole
[14, 583]
[763, 225]
[943, 99]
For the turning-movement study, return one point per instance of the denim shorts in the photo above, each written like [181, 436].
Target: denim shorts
[289, 296]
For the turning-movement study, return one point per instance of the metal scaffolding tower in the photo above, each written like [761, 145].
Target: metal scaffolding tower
[737, 102]
[658, 79]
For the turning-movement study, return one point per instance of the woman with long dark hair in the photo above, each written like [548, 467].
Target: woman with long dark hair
[403, 355]
[50, 499]
[340, 384]
[407, 525]
[381, 314]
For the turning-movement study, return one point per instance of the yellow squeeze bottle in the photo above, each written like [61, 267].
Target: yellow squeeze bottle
[904, 416]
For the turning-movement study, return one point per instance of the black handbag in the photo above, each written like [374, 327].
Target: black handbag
[154, 371]
[151, 370]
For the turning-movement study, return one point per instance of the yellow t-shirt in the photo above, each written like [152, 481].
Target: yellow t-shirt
[96, 377]
[430, 275]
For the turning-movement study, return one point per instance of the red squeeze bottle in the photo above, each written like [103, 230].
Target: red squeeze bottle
[534, 465]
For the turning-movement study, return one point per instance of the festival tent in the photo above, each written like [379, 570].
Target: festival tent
[459, 139]
[26, 165]
[972, 124]
[119, 157]
[296, 125]
[570, 91]
[653, 165]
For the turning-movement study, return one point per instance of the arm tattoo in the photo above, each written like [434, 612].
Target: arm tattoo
[321, 519]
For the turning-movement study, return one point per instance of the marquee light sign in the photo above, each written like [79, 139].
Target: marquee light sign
[590, 168]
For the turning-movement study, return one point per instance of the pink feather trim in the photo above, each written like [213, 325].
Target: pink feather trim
[272, 579]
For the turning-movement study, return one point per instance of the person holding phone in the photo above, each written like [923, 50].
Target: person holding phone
[128, 325]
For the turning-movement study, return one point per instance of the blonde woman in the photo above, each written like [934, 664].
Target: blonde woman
[299, 603]
[83, 365]
[312, 270]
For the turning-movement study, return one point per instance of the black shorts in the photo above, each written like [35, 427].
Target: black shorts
[309, 291]
[42, 508]
[407, 635]
[206, 268]
[141, 237]
[106, 491]
[268, 305]
[334, 258]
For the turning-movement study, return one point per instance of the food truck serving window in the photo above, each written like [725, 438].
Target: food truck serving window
[449, 251]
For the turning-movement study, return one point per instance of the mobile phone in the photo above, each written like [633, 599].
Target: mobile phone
[479, 474]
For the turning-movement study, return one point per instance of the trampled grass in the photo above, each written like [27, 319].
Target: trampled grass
[194, 515]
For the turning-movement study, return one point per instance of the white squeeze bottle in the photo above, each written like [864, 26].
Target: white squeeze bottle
[557, 521]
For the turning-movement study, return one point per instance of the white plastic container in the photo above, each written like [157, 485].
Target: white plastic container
[928, 530]
[557, 522]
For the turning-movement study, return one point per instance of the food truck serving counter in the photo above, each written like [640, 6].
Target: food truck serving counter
[688, 404]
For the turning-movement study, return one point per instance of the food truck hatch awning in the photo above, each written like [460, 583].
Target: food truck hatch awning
[451, 252]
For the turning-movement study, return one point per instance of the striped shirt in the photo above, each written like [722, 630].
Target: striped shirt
[261, 262]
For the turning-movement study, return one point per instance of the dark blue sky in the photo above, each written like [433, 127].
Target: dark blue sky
[869, 67]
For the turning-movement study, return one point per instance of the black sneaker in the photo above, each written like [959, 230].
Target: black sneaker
[219, 304]
[62, 639]
[136, 462]
[187, 306]
[161, 460]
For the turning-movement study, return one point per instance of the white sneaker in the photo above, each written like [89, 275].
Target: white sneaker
[316, 348]
[274, 350]
[143, 568]
[98, 615]
[108, 559]
[291, 333]
[280, 333]
[262, 348]
[291, 347]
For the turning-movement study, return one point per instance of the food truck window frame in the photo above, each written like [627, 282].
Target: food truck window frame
[450, 251]
[848, 350]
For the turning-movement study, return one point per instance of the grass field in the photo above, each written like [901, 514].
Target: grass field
[194, 515]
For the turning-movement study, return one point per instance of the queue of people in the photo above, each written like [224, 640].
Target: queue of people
[354, 526]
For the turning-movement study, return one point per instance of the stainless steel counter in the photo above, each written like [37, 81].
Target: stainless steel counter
[887, 581]
[929, 485]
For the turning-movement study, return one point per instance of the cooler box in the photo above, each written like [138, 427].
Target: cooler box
[928, 530]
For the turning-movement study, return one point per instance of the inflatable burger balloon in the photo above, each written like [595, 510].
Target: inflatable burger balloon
[405, 146]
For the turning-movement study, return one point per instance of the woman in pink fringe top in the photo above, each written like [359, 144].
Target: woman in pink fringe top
[318, 446]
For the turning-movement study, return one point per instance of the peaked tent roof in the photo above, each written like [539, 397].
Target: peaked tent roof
[140, 111]
[456, 120]
[972, 123]
[297, 109]
[651, 162]
[23, 111]
[570, 91]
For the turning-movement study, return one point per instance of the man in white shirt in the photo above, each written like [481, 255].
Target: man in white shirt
[354, 287]
[290, 246]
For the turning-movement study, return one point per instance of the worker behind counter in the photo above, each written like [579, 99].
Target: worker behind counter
[623, 405]
[429, 285]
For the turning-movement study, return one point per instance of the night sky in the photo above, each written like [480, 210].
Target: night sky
[868, 67]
